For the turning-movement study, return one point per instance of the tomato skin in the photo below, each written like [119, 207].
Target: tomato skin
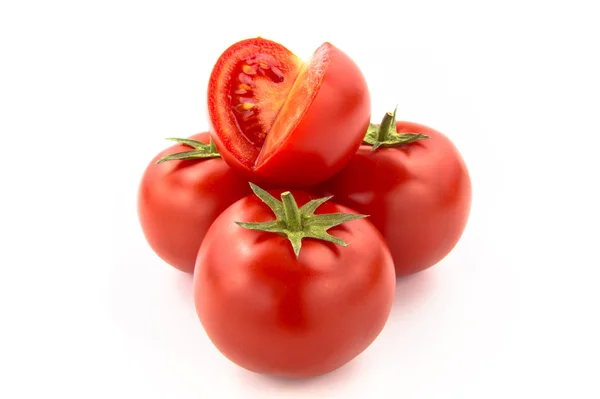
[274, 314]
[417, 195]
[179, 200]
[323, 139]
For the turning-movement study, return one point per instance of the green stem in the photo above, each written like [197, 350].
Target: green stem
[384, 128]
[385, 134]
[200, 151]
[292, 213]
[298, 224]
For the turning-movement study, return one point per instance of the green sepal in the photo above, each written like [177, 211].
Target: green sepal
[298, 223]
[385, 134]
[200, 151]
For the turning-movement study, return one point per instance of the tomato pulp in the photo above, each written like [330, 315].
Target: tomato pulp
[284, 122]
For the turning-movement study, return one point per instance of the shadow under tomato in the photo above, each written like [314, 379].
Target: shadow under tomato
[184, 282]
[412, 290]
[336, 377]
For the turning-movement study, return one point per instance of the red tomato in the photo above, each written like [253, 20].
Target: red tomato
[283, 122]
[418, 195]
[273, 313]
[178, 201]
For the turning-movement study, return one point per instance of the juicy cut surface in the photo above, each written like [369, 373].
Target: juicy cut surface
[259, 87]
[298, 100]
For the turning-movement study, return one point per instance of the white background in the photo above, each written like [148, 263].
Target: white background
[88, 91]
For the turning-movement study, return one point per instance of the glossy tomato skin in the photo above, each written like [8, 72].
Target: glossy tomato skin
[178, 201]
[418, 195]
[324, 137]
[274, 314]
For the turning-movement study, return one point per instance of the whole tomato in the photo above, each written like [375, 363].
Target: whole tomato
[415, 187]
[278, 304]
[179, 199]
[283, 122]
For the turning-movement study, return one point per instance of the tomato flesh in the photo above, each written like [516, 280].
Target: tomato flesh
[257, 78]
[298, 100]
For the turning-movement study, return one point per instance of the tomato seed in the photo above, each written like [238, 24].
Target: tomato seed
[248, 70]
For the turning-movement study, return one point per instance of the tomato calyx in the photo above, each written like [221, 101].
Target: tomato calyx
[385, 134]
[298, 223]
[200, 151]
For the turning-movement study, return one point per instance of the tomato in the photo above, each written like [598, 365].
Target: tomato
[283, 122]
[276, 308]
[417, 194]
[178, 200]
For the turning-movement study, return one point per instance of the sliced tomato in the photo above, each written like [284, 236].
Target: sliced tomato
[282, 121]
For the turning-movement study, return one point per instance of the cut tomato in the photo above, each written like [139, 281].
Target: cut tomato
[283, 121]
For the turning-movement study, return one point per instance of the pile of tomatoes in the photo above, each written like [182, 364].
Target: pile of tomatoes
[295, 213]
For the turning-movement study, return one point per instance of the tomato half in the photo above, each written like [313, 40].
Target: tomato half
[179, 199]
[284, 122]
[418, 195]
[274, 313]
